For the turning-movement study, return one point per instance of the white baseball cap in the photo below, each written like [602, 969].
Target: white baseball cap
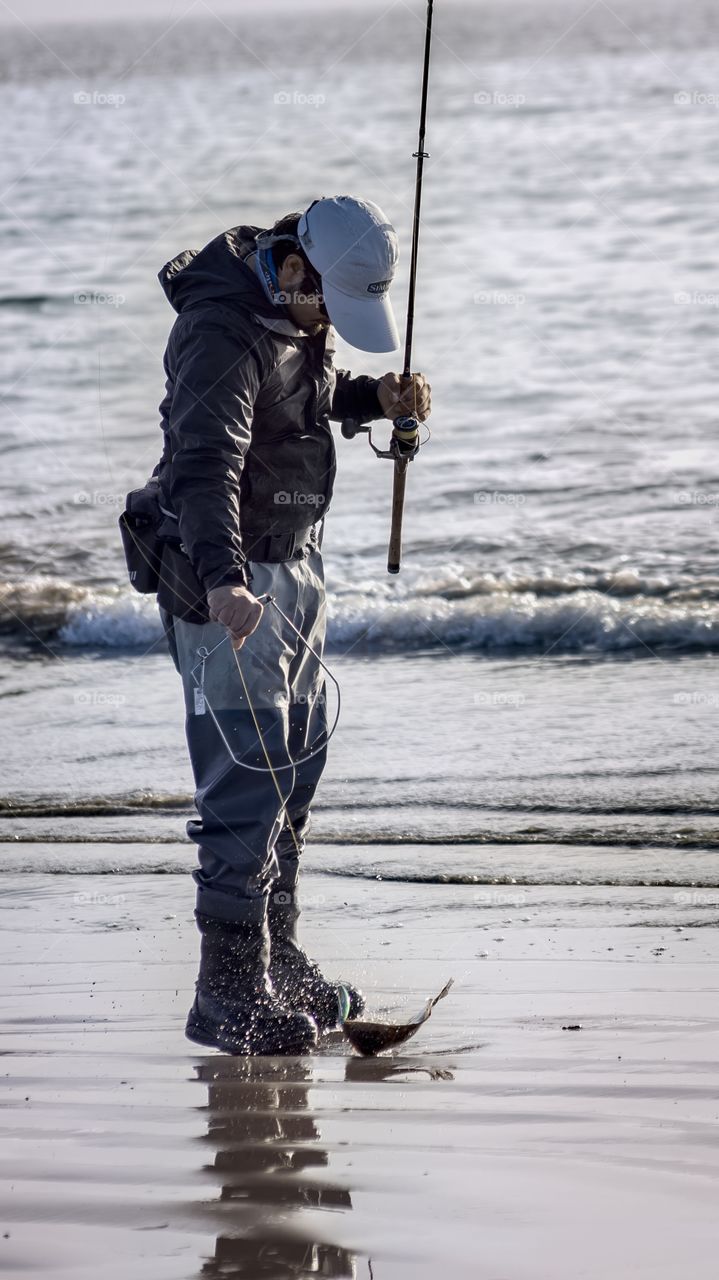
[354, 248]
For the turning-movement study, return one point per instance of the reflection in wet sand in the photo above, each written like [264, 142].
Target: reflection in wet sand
[377, 1070]
[266, 1157]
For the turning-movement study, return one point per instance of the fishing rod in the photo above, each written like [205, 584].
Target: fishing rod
[404, 443]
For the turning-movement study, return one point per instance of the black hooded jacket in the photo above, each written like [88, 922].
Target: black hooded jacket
[248, 447]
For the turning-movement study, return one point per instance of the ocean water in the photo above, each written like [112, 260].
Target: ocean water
[539, 683]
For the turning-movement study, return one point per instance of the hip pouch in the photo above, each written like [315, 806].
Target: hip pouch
[140, 539]
[180, 590]
[156, 560]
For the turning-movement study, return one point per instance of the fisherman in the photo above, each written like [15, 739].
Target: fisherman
[245, 483]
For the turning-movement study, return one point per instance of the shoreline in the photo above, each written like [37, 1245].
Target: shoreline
[496, 1144]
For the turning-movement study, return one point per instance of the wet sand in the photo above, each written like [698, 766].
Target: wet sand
[498, 1145]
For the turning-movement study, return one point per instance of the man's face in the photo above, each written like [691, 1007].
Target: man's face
[303, 297]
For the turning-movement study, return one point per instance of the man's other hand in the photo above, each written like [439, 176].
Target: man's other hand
[237, 609]
[399, 395]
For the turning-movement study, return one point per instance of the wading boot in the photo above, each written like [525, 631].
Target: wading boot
[235, 1008]
[297, 981]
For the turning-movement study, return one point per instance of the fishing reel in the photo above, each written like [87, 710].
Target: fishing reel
[404, 442]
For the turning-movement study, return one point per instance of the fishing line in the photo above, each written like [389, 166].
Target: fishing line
[282, 799]
[204, 654]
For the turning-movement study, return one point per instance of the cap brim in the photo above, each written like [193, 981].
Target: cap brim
[367, 323]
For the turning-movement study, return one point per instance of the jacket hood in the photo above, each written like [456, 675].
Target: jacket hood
[219, 273]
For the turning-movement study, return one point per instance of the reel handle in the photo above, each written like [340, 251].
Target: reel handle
[351, 428]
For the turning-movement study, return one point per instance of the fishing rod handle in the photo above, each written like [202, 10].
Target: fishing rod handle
[394, 552]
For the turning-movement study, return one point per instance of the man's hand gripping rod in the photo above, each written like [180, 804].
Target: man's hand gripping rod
[404, 443]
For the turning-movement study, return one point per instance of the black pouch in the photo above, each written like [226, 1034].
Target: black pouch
[156, 560]
[180, 590]
[140, 539]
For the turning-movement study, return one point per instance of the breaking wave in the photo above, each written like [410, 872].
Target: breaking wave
[451, 610]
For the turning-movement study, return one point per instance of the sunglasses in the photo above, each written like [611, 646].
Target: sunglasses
[319, 302]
